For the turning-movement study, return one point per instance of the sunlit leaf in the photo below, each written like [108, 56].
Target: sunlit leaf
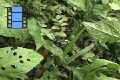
[53, 49]
[114, 6]
[78, 3]
[15, 63]
[35, 32]
[104, 31]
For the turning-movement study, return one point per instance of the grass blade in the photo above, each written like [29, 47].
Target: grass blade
[82, 52]
[67, 49]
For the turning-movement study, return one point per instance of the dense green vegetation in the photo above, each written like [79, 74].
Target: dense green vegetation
[65, 40]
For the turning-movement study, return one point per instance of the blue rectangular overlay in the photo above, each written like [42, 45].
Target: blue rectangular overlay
[16, 24]
[16, 9]
[15, 18]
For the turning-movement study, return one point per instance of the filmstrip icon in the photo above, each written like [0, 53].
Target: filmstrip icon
[16, 18]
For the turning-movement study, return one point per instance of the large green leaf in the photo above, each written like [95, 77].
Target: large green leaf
[116, 1]
[105, 1]
[104, 31]
[53, 49]
[99, 63]
[4, 77]
[16, 63]
[114, 6]
[35, 32]
[90, 70]
[103, 77]
[78, 3]
[17, 33]
[76, 72]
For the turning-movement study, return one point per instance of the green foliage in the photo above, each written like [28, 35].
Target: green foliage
[35, 32]
[79, 40]
[114, 6]
[103, 77]
[67, 49]
[107, 31]
[14, 63]
[53, 49]
[82, 52]
[17, 33]
[79, 3]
